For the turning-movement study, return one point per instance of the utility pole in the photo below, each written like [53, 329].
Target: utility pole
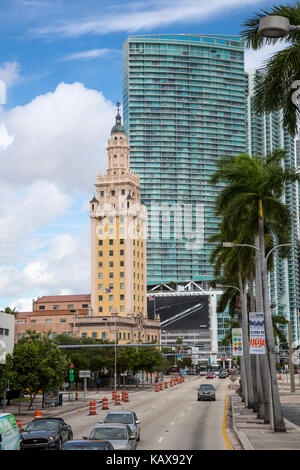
[291, 365]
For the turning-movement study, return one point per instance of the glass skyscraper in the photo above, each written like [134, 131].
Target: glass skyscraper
[184, 107]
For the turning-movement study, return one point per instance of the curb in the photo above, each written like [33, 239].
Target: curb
[240, 435]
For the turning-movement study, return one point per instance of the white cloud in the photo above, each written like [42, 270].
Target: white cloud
[22, 305]
[146, 15]
[63, 268]
[9, 73]
[256, 59]
[47, 171]
[87, 55]
[60, 137]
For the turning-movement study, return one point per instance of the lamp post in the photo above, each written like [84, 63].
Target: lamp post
[276, 26]
[115, 313]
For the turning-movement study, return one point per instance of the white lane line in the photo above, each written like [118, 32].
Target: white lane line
[160, 439]
[182, 414]
[172, 424]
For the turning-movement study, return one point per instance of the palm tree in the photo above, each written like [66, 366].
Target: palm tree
[11, 311]
[275, 90]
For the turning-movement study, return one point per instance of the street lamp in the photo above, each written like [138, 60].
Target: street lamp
[275, 26]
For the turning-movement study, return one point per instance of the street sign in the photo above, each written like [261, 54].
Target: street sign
[296, 357]
[85, 373]
[71, 375]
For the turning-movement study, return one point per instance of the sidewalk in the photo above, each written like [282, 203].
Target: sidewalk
[252, 434]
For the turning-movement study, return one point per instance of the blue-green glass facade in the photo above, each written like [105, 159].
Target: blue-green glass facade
[184, 108]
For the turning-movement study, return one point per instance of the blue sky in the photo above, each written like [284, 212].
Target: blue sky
[61, 61]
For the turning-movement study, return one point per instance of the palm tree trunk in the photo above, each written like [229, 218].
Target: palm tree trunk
[246, 354]
[263, 372]
[253, 358]
[243, 383]
[276, 417]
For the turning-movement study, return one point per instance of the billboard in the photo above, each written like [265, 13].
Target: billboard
[237, 342]
[184, 312]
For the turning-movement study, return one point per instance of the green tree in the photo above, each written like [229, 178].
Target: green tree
[275, 90]
[37, 364]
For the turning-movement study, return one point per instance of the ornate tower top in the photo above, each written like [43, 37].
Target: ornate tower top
[118, 128]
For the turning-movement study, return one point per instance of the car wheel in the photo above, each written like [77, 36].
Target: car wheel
[59, 444]
[139, 437]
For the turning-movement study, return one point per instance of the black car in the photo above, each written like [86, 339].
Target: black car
[45, 433]
[87, 445]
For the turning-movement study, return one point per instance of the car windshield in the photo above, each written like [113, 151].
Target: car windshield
[109, 433]
[206, 387]
[38, 425]
[119, 418]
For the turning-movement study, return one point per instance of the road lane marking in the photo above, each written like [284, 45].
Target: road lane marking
[161, 439]
[172, 424]
[224, 423]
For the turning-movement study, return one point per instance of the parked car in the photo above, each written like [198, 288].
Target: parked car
[87, 445]
[119, 435]
[45, 433]
[210, 375]
[125, 417]
[223, 374]
[9, 432]
[206, 392]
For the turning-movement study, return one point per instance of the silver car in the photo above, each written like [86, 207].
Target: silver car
[119, 435]
[125, 417]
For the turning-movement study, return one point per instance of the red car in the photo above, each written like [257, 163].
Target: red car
[210, 375]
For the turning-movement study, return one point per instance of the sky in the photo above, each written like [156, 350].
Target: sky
[61, 63]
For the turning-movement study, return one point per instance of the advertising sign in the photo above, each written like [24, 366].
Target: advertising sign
[257, 333]
[237, 342]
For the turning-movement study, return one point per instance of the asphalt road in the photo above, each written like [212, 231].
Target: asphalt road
[172, 419]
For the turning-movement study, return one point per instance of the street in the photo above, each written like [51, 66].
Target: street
[170, 419]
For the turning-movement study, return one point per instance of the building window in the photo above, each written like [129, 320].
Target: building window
[122, 297]
[128, 336]
[104, 335]
[121, 274]
[122, 285]
[123, 192]
[20, 321]
[111, 264]
[62, 320]
[101, 193]
[84, 335]
[111, 286]
[85, 305]
[33, 321]
[100, 264]
[41, 307]
[48, 320]
[111, 275]
[113, 193]
[100, 253]
[55, 307]
[124, 335]
[70, 306]
[122, 241]
[111, 252]
[100, 242]
[100, 309]
[100, 298]
[100, 286]
[121, 252]
[100, 275]
[122, 308]
[121, 263]
[94, 335]
[111, 298]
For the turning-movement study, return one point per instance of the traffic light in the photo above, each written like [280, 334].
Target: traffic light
[209, 361]
[71, 374]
